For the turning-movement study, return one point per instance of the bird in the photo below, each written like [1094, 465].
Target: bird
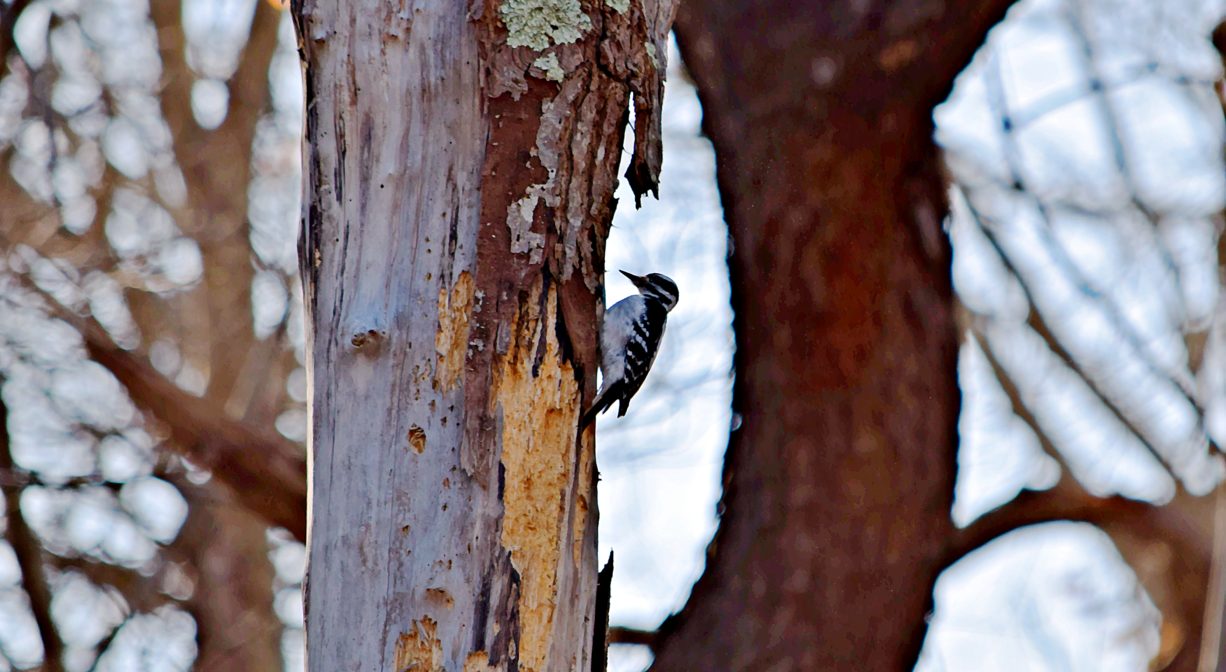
[629, 341]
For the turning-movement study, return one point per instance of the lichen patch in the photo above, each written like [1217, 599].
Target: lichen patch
[419, 649]
[540, 24]
[519, 221]
[551, 67]
[451, 340]
[549, 142]
[539, 415]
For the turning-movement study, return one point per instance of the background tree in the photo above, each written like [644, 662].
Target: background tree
[856, 314]
[842, 299]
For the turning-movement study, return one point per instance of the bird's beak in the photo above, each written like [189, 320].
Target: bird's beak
[638, 280]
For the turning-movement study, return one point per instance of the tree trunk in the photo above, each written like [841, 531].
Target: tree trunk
[459, 172]
[839, 481]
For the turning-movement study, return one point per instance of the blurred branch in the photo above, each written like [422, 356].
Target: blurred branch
[1164, 545]
[1006, 383]
[1036, 322]
[224, 547]
[1141, 531]
[266, 472]
[29, 552]
[1110, 309]
[1065, 501]
[141, 593]
[17, 477]
[621, 635]
[8, 22]
[217, 331]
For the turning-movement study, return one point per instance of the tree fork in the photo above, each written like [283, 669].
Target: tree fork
[459, 171]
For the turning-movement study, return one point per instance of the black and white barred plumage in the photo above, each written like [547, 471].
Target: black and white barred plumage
[629, 341]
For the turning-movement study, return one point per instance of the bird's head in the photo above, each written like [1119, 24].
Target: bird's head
[656, 286]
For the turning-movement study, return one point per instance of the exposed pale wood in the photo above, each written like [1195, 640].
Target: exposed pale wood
[459, 175]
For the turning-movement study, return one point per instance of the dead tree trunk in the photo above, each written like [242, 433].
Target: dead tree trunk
[459, 172]
[839, 481]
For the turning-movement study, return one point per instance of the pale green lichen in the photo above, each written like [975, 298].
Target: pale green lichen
[651, 54]
[539, 24]
[553, 69]
[519, 220]
[619, 6]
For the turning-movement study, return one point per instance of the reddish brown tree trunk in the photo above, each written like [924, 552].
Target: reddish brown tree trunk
[839, 481]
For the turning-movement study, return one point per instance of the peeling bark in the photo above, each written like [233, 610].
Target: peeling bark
[459, 174]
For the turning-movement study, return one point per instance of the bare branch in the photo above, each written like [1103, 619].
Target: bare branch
[1066, 501]
[216, 163]
[1036, 322]
[620, 635]
[266, 471]
[1110, 309]
[141, 593]
[1165, 545]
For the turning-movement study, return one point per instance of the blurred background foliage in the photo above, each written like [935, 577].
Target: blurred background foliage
[150, 330]
[148, 320]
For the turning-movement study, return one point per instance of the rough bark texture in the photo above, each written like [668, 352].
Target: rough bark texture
[839, 481]
[459, 172]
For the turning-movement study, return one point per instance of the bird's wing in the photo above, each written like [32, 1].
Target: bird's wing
[641, 349]
[617, 323]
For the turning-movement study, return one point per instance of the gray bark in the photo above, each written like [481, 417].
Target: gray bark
[459, 171]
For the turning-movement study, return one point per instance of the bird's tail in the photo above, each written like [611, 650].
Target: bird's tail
[603, 401]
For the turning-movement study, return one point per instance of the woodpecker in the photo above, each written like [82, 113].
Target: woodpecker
[629, 341]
